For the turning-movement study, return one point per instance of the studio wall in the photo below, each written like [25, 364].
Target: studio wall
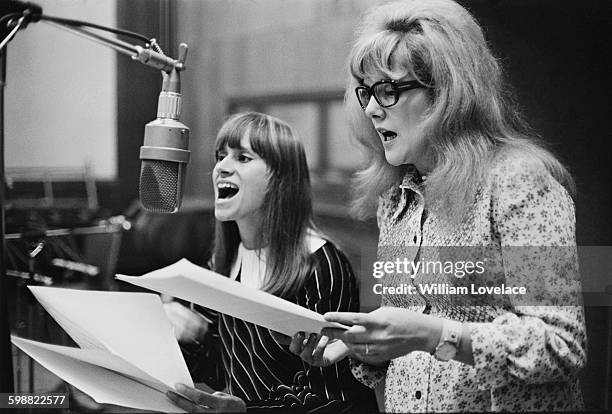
[61, 93]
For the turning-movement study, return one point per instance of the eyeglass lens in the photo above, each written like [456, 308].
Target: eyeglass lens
[384, 93]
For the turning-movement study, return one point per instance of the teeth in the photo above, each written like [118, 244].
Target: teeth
[227, 190]
[388, 135]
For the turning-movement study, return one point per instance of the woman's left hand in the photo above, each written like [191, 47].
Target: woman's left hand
[199, 401]
[385, 333]
[318, 350]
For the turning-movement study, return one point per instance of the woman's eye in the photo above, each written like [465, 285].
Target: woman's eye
[244, 158]
[387, 91]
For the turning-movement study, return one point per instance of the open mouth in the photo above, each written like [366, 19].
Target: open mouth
[387, 135]
[226, 190]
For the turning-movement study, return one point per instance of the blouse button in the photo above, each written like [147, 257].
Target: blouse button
[417, 395]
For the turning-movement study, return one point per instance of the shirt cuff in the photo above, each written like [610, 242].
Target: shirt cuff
[490, 356]
[368, 375]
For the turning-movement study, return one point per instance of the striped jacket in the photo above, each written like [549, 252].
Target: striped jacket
[264, 373]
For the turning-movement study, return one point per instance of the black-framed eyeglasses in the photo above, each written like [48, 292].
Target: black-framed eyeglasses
[386, 92]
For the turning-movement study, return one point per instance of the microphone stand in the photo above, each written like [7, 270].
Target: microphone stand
[155, 58]
[6, 357]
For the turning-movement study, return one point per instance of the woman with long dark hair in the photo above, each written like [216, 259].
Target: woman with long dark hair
[266, 238]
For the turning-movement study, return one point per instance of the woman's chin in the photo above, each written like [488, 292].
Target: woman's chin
[223, 216]
[394, 160]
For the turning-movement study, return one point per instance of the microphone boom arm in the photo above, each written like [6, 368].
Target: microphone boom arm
[144, 55]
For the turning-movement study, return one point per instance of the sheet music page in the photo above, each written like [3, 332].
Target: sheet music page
[97, 357]
[84, 369]
[193, 283]
[79, 334]
[131, 325]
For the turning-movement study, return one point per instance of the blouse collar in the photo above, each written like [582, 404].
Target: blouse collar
[251, 264]
[412, 178]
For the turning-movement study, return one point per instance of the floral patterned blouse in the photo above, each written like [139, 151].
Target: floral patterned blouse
[527, 348]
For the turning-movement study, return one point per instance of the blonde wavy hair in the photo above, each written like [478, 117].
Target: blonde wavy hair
[472, 118]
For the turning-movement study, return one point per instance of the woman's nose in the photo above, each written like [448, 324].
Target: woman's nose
[224, 166]
[373, 109]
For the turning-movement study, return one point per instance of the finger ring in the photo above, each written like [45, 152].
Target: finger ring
[367, 349]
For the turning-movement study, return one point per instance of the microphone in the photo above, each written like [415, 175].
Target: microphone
[164, 154]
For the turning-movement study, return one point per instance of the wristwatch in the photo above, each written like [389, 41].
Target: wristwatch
[449, 340]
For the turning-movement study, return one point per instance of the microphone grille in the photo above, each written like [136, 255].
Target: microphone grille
[161, 185]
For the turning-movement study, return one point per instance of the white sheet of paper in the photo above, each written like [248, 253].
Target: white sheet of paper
[193, 283]
[103, 385]
[131, 325]
[97, 357]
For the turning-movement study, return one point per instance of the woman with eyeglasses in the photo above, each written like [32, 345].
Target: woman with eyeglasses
[477, 259]
[265, 238]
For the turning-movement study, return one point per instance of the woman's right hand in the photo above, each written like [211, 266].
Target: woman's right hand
[194, 400]
[188, 325]
[318, 350]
